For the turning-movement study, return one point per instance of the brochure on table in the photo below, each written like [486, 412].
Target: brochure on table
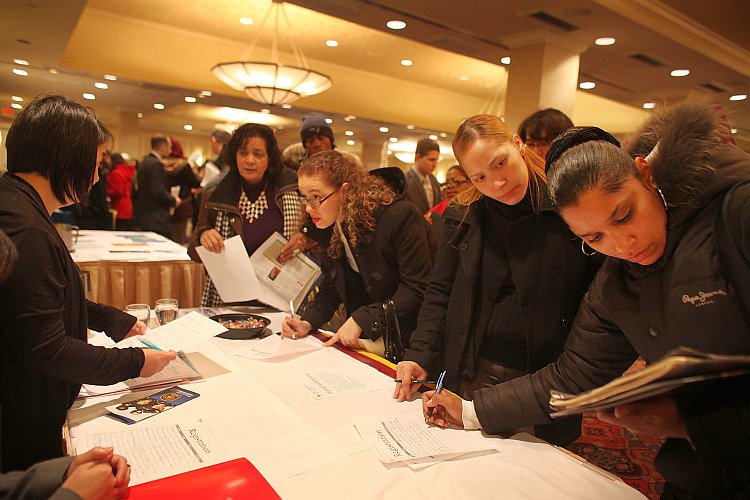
[241, 278]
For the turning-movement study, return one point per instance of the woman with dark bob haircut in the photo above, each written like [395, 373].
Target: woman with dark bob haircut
[256, 198]
[54, 148]
[672, 213]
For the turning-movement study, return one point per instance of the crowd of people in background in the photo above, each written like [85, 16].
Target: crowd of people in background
[550, 258]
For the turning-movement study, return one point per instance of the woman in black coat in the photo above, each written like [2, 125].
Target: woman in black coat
[508, 279]
[376, 249]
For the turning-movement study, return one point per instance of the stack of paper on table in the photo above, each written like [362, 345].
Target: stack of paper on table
[242, 278]
[678, 368]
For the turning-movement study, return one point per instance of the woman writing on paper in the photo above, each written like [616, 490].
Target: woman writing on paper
[674, 217]
[256, 198]
[54, 148]
[508, 279]
[375, 245]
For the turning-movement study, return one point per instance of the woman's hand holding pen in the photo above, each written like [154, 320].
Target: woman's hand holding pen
[408, 370]
[447, 409]
[294, 328]
[154, 361]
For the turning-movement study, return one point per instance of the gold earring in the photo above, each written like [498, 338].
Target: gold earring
[584, 252]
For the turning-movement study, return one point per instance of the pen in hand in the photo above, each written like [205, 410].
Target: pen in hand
[430, 382]
[291, 310]
[150, 345]
[438, 389]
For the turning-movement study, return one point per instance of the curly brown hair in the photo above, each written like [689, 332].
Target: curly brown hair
[364, 195]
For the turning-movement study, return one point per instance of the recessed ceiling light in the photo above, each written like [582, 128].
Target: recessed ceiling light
[17, 98]
[22, 62]
[101, 85]
[53, 71]
[738, 97]
[393, 139]
[190, 98]
[505, 60]
[329, 121]
[246, 21]
[586, 85]
[604, 41]
[349, 118]
[443, 134]
[351, 142]
[396, 25]
[20, 72]
[433, 137]
[734, 130]
[332, 43]
[406, 62]
[349, 132]
[15, 105]
[139, 115]
[383, 129]
[88, 96]
[390, 152]
[286, 106]
[680, 72]
[111, 78]
[410, 127]
[265, 111]
[158, 105]
[649, 105]
[206, 93]
[463, 78]
[188, 127]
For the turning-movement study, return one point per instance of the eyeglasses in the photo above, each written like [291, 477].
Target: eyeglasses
[314, 201]
[455, 183]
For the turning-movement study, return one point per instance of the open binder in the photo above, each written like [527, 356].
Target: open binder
[679, 368]
[234, 479]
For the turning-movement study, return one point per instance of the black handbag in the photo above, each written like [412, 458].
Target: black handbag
[393, 346]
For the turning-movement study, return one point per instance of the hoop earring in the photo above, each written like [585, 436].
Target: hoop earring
[663, 199]
[584, 252]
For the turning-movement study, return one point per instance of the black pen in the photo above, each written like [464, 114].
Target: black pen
[399, 381]
[438, 388]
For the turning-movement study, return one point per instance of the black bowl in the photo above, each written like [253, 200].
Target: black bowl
[241, 333]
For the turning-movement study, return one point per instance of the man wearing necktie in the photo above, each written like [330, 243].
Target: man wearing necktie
[422, 188]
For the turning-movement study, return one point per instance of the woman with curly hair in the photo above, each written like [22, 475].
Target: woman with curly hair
[508, 278]
[375, 243]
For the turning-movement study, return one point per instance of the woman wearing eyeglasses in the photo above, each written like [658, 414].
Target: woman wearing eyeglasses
[256, 198]
[375, 248]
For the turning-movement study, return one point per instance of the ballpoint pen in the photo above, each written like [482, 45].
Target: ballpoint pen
[291, 310]
[150, 345]
[399, 381]
[438, 388]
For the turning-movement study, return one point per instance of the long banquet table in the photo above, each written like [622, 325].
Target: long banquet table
[130, 267]
[308, 448]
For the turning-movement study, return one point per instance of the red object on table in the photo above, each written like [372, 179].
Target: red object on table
[235, 479]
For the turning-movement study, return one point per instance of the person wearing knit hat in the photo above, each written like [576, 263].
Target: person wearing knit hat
[316, 134]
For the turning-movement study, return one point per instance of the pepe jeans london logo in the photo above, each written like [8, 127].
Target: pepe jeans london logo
[702, 298]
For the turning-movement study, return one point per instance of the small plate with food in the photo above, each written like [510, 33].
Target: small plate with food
[242, 326]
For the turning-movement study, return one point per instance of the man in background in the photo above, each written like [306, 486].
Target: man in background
[154, 200]
[422, 187]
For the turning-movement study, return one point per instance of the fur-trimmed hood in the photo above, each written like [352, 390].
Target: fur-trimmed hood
[691, 160]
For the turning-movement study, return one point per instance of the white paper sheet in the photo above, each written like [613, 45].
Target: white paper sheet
[178, 335]
[156, 452]
[273, 348]
[397, 440]
[343, 380]
[231, 271]
[175, 372]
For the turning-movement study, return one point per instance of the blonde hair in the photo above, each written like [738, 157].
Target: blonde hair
[364, 195]
[492, 128]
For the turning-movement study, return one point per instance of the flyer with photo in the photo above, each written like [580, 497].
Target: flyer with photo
[136, 410]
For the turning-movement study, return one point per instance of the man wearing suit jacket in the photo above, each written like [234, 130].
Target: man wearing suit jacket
[154, 201]
[422, 188]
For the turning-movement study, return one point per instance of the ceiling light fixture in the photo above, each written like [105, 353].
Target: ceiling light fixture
[396, 25]
[111, 78]
[20, 72]
[649, 105]
[15, 105]
[463, 78]
[158, 105]
[17, 98]
[443, 134]
[205, 93]
[605, 41]
[22, 62]
[332, 43]
[88, 96]
[188, 127]
[734, 130]
[286, 106]
[139, 115]
[433, 137]
[383, 129]
[586, 85]
[410, 127]
[272, 82]
[738, 97]
[406, 62]
[190, 98]
[246, 21]
[101, 85]
[329, 121]
[505, 60]
[680, 72]
[351, 142]
[393, 139]
[349, 132]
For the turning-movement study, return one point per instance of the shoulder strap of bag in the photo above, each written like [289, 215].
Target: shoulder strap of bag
[734, 261]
